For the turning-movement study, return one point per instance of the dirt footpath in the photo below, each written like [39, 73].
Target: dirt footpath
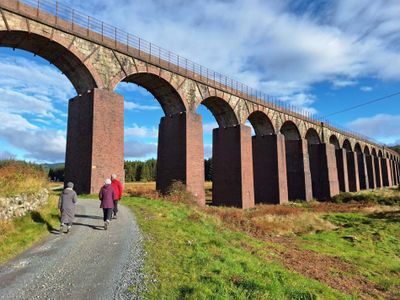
[87, 263]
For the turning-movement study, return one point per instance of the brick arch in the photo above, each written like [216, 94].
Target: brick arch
[159, 84]
[366, 150]
[357, 148]
[222, 111]
[67, 58]
[290, 131]
[312, 137]
[347, 145]
[334, 141]
[261, 123]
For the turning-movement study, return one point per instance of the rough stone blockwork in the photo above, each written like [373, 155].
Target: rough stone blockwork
[18, 206]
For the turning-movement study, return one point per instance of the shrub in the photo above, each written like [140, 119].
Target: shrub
[18, 177]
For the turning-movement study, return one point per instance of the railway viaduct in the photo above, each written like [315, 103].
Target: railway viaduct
[291, 156]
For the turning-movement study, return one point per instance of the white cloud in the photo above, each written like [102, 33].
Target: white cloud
[34, 79]
[380, 126]
[280, 47]
[141, 131]
[135, 106]
[366, 88]
[135, 149]
[208, 127]
[14, 121]
[341, 83]
[208, 150]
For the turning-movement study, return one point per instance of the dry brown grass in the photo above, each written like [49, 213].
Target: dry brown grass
[19, 177]
[270, 220]
[141, 189]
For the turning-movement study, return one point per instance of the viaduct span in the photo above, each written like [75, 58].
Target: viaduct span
[291, 156]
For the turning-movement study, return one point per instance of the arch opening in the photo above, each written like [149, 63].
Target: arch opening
[366, 150]
[222, 111]
[58, 55]
[334, 141]
[312, 137]
[373, 152]
[290, 131]
[262, 125]
[170, 100]
[347, 145]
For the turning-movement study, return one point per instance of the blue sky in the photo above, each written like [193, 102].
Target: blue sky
[322, 56]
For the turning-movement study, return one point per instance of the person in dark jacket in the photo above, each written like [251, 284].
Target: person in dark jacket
[118, 193]
[107, 197]
[66, 204]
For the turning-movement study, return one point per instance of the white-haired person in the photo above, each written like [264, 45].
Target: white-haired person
[118, 193]
[66, 204]
[107, 197]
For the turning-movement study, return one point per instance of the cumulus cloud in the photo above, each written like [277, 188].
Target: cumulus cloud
[135, 149]
[382, 126]
[136, 106]
[141, 131]
[34, 79]
[41, 145]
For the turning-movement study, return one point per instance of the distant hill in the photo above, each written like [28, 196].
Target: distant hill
[396, 148]
[47, 167]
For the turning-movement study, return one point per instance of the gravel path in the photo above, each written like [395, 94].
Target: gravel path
[87, 263]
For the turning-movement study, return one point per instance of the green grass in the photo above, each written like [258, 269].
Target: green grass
[191, 255]
[21, 233]
[370, 242]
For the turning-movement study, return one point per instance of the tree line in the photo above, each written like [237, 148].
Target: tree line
[135, 171]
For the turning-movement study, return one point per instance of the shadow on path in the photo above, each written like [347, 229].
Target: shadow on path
[89, 225]
[88, 217]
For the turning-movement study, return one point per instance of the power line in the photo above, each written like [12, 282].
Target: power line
[362, 104]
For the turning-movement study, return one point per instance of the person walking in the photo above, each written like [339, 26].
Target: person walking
[118, 193]
[107, 197]
[66, 204]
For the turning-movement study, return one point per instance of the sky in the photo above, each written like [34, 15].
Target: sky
[322, 56]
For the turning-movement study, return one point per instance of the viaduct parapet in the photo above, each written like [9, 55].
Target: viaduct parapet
[291, 156]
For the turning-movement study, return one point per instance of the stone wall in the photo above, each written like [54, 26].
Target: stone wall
[18, 206]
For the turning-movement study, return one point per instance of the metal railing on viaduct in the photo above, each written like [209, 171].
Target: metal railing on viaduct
[294, 155]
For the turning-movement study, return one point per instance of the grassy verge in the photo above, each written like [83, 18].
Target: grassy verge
[192, 255]
[19, 234]
[370, 242]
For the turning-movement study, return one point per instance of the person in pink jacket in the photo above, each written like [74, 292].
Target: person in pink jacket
[107, 196]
